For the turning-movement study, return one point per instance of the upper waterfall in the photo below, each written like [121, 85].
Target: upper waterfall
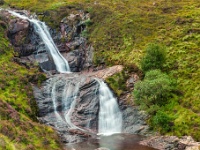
[110, 117]
[41, 29]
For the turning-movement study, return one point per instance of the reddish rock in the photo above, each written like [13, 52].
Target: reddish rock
[171, 143]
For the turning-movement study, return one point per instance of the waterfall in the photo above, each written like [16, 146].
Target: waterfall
[110, 117]
[69, 95]
[54, 97]
[41, 29]
[63, 93]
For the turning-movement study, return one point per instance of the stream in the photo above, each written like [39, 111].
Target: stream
[79, 107]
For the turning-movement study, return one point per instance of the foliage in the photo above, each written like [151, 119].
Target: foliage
[154, 58]
[19, 129]
[118, 82]
[155, 89]
[161, 121]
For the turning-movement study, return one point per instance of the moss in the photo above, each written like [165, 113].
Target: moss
[117, 82]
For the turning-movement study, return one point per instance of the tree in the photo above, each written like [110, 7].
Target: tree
[154, 59]
[154, 91]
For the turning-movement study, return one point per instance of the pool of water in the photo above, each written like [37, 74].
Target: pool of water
[113, 142]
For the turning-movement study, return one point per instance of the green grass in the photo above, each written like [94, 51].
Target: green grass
[122, 29]
[19, 129]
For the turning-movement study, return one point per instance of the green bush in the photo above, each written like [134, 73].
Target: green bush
[155, 89]
[161, 121]
[154, 58]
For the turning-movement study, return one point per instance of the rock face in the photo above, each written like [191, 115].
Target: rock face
[171, 143]
[69, 41]
[69, 103]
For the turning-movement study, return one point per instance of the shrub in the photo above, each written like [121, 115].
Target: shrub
[155, 89]
[162, 121]
[154, 59]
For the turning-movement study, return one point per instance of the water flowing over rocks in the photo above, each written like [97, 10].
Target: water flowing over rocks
[72, 112]
[74, 108]
[77, 122]
[69, 41]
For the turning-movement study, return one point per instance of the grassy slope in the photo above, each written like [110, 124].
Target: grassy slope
[122, 29]
[18, 130]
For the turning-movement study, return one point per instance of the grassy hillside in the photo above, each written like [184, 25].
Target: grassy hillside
[19, 129]
[122, 29]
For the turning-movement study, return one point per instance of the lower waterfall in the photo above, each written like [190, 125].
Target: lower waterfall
[63, 94]
[110, 117]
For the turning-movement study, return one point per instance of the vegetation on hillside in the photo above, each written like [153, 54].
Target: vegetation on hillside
[19, 129]
[156, 90]
[120, 33]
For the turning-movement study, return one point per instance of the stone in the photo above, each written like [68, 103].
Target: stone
[105, 73]
[17, 25]
[171, 142]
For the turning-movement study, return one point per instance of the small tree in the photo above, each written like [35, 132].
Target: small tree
[154, 90]
[154, 59]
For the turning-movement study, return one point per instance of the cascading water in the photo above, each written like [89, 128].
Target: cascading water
[110, 117]
[69, 95]
[61, 63]
[63, 94]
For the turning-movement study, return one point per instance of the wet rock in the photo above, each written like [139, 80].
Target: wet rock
[134, 120]
[17, 25]
[69, 40]
[55, 111]
[80, 59]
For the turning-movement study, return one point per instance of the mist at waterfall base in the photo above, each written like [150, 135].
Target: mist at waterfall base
[110, 117]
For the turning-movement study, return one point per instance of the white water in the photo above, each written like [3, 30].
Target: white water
[69, 95]
[61, 63]
[63, 93]
[54, 100]
[110, 117]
